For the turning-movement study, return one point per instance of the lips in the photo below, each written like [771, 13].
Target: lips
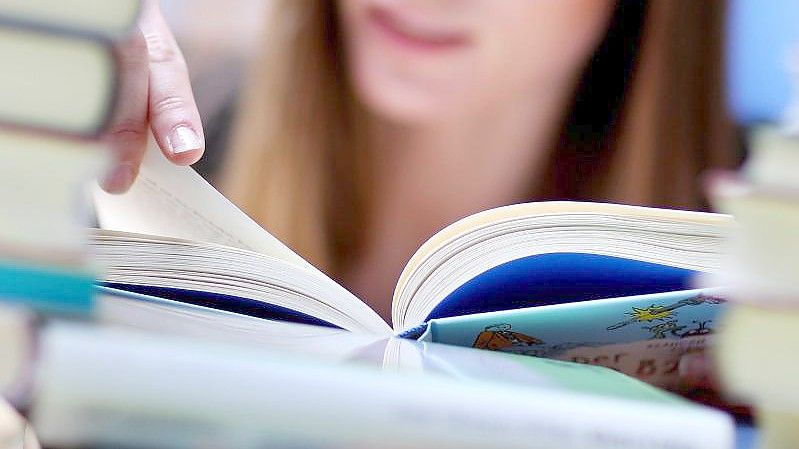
[415, 34]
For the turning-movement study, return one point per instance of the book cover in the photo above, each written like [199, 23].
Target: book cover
[643, 336]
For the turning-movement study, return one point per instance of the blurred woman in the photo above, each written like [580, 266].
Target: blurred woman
[371, 124]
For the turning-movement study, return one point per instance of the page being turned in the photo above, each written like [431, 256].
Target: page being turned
[172, 201]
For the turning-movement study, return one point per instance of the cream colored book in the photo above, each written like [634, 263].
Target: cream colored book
[55, 81]
[41, 190]
[99, 17]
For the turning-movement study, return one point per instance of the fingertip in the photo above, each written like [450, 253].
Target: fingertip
[185, 158]
[692, 365]
[697, 370]
[119, 178]
[184, 146]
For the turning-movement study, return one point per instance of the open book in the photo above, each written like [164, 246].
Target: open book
[175, 237]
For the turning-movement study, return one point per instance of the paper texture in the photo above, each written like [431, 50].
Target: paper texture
[171, 201]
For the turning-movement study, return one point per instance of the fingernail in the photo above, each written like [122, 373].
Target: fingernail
[119, 178]
[183, 139]
[693, 365]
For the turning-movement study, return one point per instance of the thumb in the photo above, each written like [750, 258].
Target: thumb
[173, 113]
[697, 371]
[701, 383]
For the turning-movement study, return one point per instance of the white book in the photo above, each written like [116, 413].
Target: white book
[102, 385]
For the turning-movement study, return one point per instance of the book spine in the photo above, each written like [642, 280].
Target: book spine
[114, 387]
[34, 16]
[47, 289]
[85, 131]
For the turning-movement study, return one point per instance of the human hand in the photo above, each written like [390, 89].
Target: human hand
[701, 383]
[155, 94]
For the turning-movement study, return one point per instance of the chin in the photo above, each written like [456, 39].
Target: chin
[403, 104]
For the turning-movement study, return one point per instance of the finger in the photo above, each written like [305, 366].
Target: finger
[701, 384]
[127, 134]
[697, 371]
[173, 112]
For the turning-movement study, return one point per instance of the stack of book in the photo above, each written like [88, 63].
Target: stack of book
[57, 91]
[761, 337]
[58, 88]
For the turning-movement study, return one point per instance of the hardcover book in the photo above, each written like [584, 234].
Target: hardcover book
[108, 19]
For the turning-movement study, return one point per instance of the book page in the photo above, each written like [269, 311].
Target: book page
[163, 316]
[173, 201]
[472, 222]
[459, 253]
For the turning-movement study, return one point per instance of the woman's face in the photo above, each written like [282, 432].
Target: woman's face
[416, 61]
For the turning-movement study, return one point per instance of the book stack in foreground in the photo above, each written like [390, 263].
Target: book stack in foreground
[761, 339]
[58, 88]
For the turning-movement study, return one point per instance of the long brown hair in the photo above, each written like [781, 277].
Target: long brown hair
[647, 119]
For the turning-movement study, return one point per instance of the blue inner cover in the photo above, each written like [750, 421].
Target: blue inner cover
[557, 278]
[228, 303]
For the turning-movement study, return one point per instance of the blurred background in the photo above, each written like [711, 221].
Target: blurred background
[219, 38]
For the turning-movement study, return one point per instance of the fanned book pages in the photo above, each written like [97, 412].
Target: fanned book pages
[173, 236]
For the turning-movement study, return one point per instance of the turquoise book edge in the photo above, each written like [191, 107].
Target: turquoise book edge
[47, 289]
[463, 364]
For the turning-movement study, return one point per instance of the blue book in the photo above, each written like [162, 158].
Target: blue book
[173, 236]
[47, 289]
[643, 335]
